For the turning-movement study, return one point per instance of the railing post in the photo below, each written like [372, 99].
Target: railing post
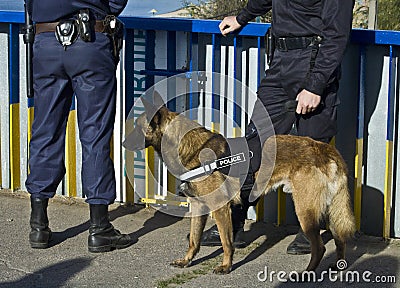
[13, 54]
[359, 157]
[387, 198]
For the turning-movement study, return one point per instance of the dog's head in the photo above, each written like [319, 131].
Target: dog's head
[150, 125]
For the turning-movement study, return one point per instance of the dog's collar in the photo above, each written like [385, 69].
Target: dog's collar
[209, 167]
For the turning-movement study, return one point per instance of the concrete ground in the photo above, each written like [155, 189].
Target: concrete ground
[159, 239]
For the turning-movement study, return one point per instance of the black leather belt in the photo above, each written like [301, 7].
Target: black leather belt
[291, 43]
[51, 27]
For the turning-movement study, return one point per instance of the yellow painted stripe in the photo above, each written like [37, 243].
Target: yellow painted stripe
[112, 149]
[237, 132]
[171, 186]
[387, 197]
[129, 192]
[15, 147]
[70, 154]
[260, 209]
[358, 161]
[215, 127]
[281, 206]
[31, 111]
[30, 121]
[149, 173]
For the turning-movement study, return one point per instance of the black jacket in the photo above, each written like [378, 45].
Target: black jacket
[330, 19]
[54, 10]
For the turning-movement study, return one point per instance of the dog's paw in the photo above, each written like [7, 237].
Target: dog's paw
[180, 263]
[222, 269]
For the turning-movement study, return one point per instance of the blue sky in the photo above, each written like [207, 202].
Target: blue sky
[142, 7]
[134, 7]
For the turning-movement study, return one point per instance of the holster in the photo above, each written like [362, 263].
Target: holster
[115, 30]
[269, 45]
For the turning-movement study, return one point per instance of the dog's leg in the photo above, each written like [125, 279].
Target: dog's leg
[340, 252]
[311, 229]
[224, 223]
[196, 229]
[317, 246]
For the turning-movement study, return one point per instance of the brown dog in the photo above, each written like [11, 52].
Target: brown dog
[313, 172]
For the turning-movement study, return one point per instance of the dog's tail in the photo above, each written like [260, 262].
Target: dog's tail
[340, 214]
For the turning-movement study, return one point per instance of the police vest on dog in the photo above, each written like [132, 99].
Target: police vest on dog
[231, 160]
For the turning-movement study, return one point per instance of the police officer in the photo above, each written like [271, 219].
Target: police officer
[310, 38]
[73, 54]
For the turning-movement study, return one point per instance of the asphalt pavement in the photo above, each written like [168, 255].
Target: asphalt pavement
[159, 239]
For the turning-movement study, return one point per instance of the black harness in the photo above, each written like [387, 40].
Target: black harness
[236, 160]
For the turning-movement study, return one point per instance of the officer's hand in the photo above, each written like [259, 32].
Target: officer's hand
[228, 25]
[307, 102]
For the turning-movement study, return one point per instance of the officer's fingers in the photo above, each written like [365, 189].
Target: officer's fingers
[303, 108]
[227, 30]
[299, 108]
[222, 25]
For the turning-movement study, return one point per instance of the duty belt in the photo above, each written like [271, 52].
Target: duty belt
[51, 27]
[291, 43]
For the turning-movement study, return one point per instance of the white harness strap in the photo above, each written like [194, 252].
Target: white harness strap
[208, 168]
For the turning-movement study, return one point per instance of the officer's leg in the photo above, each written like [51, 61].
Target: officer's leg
[273, 99]
[321, 126]
[94, 83]
[53, 95]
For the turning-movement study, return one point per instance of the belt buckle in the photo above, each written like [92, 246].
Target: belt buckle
[316, 40]
[282, 44]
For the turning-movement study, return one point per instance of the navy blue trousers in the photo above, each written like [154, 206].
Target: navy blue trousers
[86, 69]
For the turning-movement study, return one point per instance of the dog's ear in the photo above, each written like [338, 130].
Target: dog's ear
[158, 100]
[149, 108]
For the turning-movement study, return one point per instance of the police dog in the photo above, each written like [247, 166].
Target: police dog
[314, 172]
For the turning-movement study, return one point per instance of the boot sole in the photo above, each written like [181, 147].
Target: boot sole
[107, 248]
[39, 245]
[100, 249]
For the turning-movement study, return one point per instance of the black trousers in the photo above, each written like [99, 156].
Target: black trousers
[284, 80]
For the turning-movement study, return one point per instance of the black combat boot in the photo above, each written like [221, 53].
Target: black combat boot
[102, 235]
[211, 236]
[300, 245]
[40, 234]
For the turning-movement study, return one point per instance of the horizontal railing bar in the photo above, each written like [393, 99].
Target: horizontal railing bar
[12, 17]
[380, 37]
[161, 72]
